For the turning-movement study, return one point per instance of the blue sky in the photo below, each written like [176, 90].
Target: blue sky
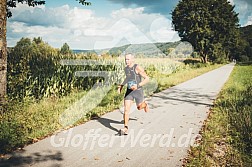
[98, 6]
[104, 24]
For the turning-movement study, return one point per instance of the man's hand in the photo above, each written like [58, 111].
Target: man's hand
[119, 89]
[134, 87]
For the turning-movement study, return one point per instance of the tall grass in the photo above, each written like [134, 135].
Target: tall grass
[227, 134]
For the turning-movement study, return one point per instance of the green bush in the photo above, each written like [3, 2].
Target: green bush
[192, 61]
[12, 135]
[244, 58]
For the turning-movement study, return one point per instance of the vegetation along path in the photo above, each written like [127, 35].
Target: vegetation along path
[160, 137]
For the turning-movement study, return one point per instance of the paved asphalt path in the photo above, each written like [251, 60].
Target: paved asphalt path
[160, 137]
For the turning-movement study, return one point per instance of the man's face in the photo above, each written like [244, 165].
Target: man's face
[128, 60]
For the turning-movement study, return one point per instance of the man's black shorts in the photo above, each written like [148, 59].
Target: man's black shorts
[138, 95]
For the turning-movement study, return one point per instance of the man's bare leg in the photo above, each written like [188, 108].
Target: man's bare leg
[127, 106]
[144, 106]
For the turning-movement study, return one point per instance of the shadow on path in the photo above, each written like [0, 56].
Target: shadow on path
[185, 95]
[107, 123]
[19, 160]
[183, 100]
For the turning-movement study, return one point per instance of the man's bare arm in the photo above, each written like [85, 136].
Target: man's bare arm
[121, 85]
[141, 71]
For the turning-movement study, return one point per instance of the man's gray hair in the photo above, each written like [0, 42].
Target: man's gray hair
[132, 55]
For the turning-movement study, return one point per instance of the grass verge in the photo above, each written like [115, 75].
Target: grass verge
[227, 134]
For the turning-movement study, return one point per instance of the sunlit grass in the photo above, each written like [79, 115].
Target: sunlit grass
[227, 134]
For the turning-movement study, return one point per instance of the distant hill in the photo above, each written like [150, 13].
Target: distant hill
[81, 51]
[147, 49]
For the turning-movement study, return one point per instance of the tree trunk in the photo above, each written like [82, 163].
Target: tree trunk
[3, 52]
[203, 57]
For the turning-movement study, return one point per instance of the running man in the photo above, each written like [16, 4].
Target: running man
[134, 74]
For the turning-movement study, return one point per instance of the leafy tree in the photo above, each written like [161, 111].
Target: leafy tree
[37, 40]
[5, 5]
[65, 49]
[246, 34]
[246, 37]
[207, 25]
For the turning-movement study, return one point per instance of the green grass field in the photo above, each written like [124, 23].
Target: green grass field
[227, 134]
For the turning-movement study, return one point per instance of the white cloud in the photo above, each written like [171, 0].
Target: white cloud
[244, 8]
[81, 29]
[231, 1]
[249, 22]
[161, 30]
[127, 13]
